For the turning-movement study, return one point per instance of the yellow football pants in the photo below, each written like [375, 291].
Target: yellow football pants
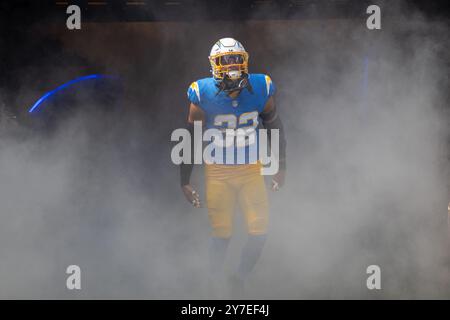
[228, 185]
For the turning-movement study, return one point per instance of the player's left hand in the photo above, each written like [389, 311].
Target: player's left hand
[278, 180]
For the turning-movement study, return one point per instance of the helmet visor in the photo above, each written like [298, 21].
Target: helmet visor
[230, 59]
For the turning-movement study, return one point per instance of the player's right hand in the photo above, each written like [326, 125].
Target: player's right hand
[191, 195]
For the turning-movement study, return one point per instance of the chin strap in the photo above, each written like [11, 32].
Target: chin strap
[228, 85]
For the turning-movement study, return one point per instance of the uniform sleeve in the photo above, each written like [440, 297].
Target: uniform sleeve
[193, 93]
[270, 87]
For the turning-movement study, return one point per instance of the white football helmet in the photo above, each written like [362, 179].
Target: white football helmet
[229, 57]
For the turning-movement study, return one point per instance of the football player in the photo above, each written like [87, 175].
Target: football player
[233, 99]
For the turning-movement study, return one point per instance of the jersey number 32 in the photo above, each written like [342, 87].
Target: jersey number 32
[242, 128]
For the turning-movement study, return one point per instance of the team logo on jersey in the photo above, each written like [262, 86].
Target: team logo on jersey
[234, 103]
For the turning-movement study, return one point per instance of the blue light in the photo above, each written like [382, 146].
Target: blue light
[61, 87]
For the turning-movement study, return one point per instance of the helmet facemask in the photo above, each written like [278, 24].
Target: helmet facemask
[232, 64]
[230, 69]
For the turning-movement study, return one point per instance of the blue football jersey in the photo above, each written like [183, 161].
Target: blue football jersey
[223, 112]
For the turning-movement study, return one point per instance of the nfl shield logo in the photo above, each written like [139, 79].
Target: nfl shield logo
[234, 103]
